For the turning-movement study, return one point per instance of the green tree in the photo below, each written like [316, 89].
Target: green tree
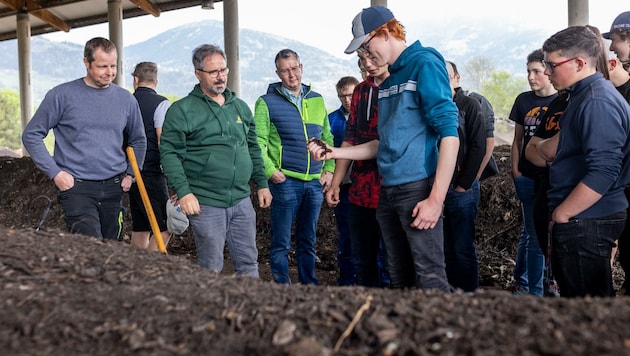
[10, 124]
[478, 71]
[501, 90]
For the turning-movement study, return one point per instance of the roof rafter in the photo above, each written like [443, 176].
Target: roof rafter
[78, 13]
[147, 6]
[38, 11]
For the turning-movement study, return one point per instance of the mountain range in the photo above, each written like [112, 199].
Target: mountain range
[57, 62]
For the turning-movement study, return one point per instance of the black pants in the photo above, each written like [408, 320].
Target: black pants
[623, 249]
[157, 191]
[94, 208]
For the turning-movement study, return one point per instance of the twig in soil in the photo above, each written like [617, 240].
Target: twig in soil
[109, 258]
[27, 270]
[353, 323]
[512, 224]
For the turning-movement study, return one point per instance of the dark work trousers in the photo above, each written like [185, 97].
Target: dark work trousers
[581, 251]
[94, 208]
[344, 243]
[623, 250]
[415, 257]
[157, 190]
[368, 255]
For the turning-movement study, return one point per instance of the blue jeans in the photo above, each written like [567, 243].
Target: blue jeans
[302, 201]
[344, 242]
[460, 213]
[94, 208]
[530, 259]
[581, 251]
[415, 257]
[367, 251]
[236, 225]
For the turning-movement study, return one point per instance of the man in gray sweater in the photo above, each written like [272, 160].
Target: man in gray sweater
[92, 120]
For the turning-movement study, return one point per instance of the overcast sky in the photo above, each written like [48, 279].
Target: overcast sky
[326, 24]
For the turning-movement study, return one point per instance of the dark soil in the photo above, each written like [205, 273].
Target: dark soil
[69, 294]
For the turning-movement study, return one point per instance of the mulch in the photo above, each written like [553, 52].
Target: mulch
[69, 294]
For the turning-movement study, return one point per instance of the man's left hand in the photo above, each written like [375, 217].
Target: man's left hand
[126, 183]
[427, 214]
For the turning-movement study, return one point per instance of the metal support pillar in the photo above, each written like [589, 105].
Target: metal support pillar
[378, 3]
[114, 19]
[578, 13]
[232, 42]
[25, 69]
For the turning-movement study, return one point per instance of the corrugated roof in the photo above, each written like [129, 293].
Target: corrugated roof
[63, 15]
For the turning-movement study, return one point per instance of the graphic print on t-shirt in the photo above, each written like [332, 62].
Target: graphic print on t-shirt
[532, 120]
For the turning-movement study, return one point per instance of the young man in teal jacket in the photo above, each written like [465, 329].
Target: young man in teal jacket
[415, 112]
[209, 154]
[286, 118]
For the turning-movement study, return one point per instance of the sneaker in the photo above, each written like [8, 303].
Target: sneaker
[550, 287]
[519, 290]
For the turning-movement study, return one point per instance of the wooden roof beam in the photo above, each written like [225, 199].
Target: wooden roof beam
[148, 6]
[38, 11]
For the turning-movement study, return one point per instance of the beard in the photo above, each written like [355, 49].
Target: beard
[217, 88]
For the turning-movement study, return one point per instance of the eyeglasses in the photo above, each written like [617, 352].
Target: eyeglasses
[366, 46]
[294, 70]
[344, 96]
[214, 73]
[552, 66]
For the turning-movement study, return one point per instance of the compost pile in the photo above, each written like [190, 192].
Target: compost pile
[69, 294]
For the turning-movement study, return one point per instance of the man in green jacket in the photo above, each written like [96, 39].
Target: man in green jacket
[287, 116]
[209, 154]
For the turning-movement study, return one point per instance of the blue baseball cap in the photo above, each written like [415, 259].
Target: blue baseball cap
[622, 22]
[365, 22]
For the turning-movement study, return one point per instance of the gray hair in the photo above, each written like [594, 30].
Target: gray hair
[286, 53]
[204, 51]
[146, 72]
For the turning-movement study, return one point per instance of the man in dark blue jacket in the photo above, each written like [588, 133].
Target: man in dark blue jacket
[590, 169]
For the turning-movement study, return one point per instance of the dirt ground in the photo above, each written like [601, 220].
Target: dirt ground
[69, 294]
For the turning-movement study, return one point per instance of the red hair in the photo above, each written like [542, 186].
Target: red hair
[395, 28]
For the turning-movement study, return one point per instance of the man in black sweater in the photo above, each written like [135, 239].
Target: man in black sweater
[153, 108]
[460, 206]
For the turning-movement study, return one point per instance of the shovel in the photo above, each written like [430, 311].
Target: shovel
[145, 200]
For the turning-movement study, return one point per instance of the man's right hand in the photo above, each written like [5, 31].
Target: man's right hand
[64, 181]
[278, 177]
[189, 204]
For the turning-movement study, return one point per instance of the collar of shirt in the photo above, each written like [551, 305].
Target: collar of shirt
[297, 100]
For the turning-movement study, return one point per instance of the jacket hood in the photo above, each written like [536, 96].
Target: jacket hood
[411, 53]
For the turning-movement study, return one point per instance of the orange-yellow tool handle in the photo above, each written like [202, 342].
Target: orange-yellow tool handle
[157, 235]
